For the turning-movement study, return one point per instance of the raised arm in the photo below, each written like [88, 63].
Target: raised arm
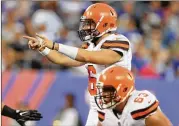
[102, 57]
[80, 56]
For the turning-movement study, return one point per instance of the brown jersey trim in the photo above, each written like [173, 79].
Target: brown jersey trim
[116, 44]
[142, 113]
[118, 41]
[101, 116]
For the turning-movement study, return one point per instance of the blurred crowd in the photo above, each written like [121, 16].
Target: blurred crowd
[152, 27]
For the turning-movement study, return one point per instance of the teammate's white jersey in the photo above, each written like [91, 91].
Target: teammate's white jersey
[140, 105]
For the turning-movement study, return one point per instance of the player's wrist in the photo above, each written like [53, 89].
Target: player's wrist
[9, 112]
[44, 51]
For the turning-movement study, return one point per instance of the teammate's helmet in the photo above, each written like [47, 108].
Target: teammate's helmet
[97, 20]
[114, 85]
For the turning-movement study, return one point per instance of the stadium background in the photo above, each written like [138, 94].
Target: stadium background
[30, 79]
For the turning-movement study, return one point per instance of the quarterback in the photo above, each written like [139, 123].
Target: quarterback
[101, 48]
[123, 105]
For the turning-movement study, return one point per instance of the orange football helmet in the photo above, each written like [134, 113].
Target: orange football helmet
[114, 85]
[97, 20]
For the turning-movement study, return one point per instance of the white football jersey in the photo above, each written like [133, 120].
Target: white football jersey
[140, 105]
[116, 42]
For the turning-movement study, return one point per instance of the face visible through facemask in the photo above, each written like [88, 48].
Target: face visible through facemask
[87, 25]
[87, 30]
[106, 97]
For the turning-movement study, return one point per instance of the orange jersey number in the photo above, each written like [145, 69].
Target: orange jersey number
[92, 80]
[140, 97]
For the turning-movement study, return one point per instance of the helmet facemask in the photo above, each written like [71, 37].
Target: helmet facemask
[106, 97]
[87, 30]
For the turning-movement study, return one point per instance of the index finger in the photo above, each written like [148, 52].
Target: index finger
[30, 38]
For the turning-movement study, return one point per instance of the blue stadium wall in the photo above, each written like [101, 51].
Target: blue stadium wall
[45, 90]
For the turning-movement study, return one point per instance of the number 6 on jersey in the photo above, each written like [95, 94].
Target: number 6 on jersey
[92, 80]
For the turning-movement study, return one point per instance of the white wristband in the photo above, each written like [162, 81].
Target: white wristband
[45, 52]
[68, 51]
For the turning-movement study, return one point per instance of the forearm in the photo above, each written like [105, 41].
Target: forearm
[102, 57]
[61, 59]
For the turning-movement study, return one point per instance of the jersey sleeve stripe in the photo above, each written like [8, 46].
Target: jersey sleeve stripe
[142, 113]
[123, 46]
[117, 41]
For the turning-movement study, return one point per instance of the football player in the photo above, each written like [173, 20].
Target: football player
[124, 105]
[21, 116]
[101, 48]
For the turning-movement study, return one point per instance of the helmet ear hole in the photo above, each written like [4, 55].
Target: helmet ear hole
[111, 71]
[105, 24]
[125, 89]
[111, 25]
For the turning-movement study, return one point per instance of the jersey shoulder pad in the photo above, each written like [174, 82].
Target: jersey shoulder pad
[118, 42]
[144, 103]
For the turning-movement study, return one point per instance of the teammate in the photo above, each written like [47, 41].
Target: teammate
[20, 116]
[102, 48]
[124, 105]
